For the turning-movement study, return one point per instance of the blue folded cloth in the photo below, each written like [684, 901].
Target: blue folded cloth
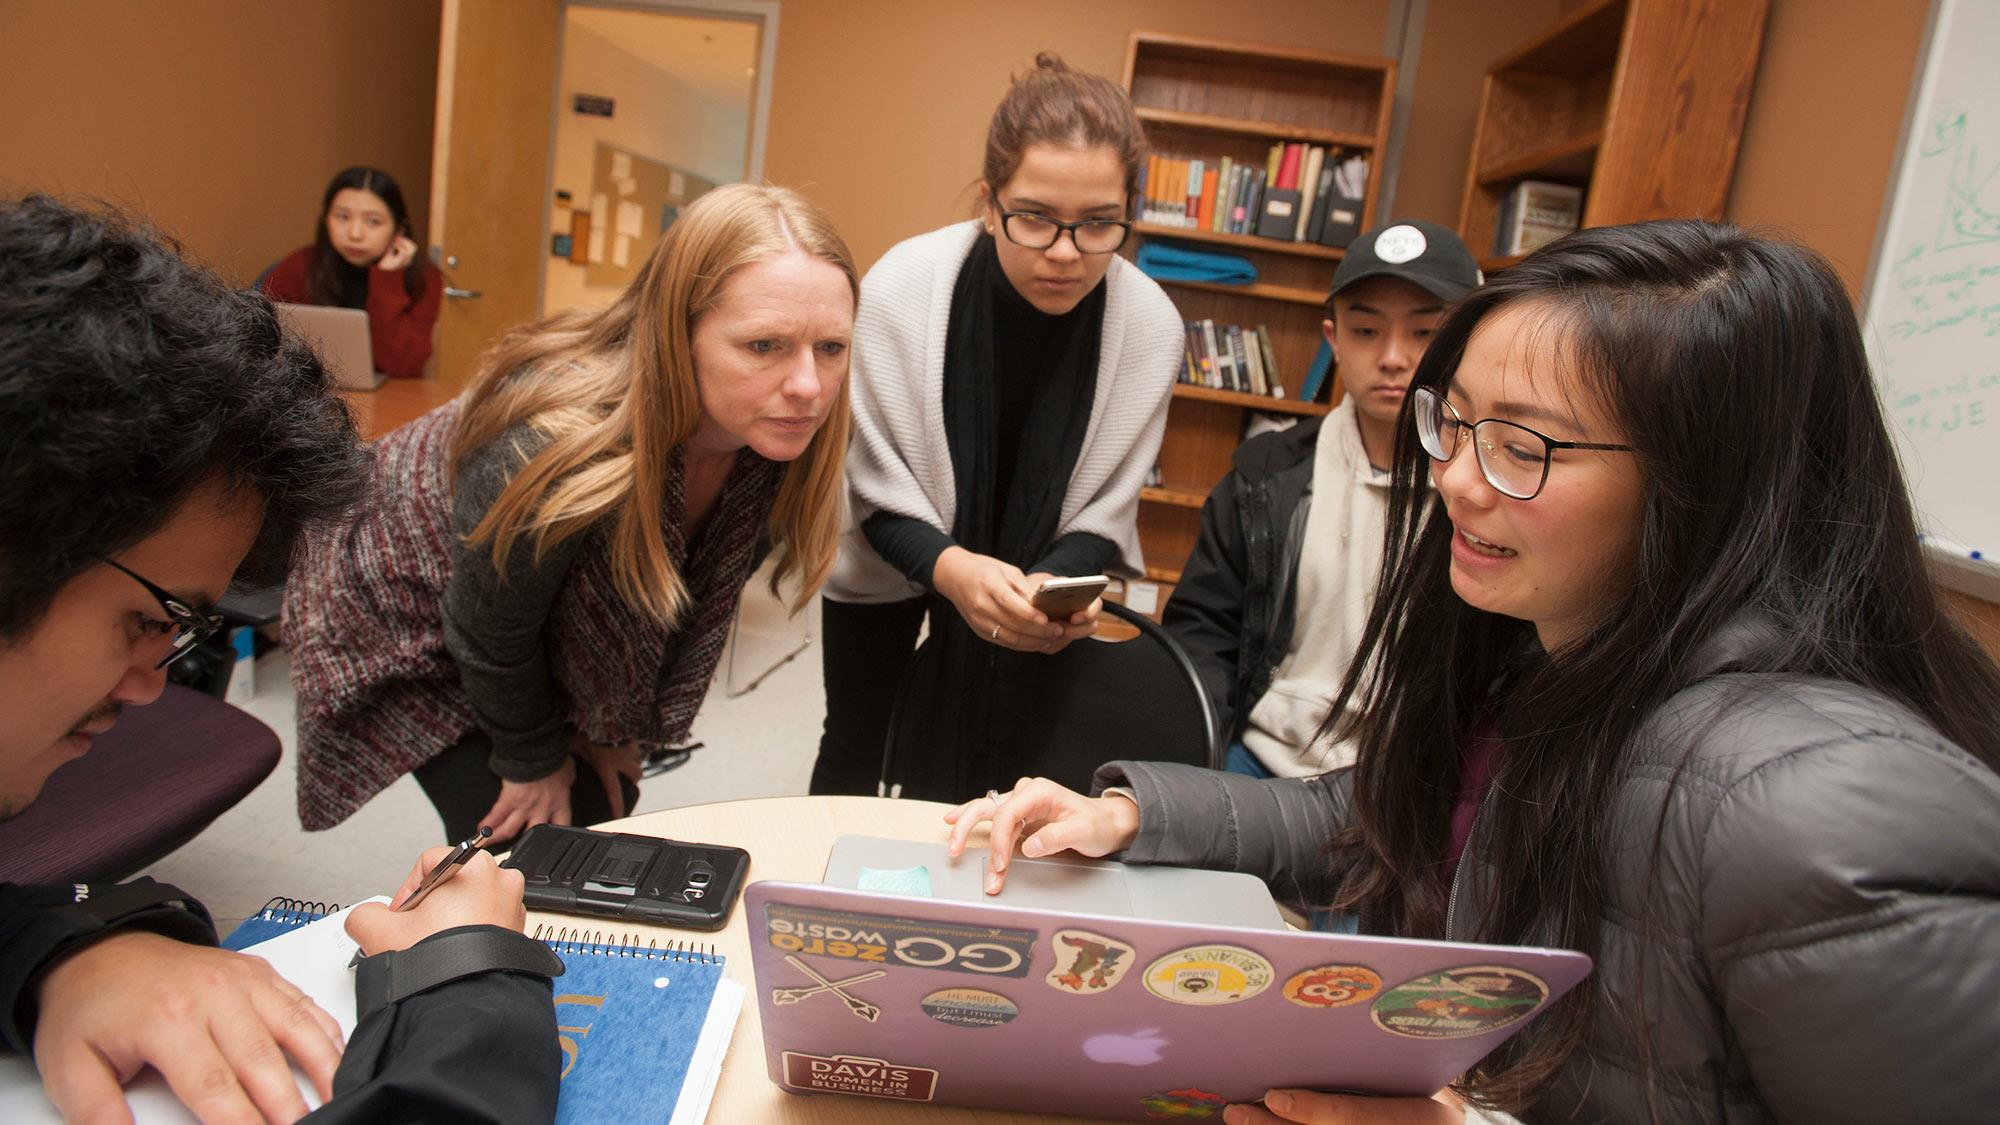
[1174, 262]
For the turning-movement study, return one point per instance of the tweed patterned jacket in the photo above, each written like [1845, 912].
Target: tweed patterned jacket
[379, 693]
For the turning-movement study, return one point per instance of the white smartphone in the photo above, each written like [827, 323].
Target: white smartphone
[1062, 597]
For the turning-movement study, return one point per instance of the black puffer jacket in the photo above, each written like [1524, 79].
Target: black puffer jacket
[1820, 939]
[1232, 609]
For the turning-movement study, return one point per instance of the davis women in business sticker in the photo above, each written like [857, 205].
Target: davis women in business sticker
[1459, 1002]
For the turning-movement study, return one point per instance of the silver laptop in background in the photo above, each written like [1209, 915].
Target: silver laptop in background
[340, 336]
[1068, 884]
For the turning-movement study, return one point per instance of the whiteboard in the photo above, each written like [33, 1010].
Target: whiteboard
[1932, 313]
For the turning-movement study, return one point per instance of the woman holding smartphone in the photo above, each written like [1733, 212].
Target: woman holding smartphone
[1658, 674]
[1011, 378]
[364, 257]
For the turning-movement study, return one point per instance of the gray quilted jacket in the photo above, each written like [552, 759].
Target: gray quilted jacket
[1820, 939]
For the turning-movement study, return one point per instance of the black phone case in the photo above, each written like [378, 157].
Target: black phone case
[640, 878]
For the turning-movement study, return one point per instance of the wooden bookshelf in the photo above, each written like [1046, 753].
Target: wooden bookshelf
[1638, 102]
[1203, 99]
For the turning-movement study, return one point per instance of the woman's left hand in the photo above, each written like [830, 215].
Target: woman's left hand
[1312, 1108]
[401, 253]
[609, 760]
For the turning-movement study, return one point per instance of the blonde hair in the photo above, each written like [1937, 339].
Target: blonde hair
[614, 392]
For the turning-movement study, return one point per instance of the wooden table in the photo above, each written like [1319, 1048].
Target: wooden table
[395, 402]
[788, 839]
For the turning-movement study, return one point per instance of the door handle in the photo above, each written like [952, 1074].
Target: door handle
[461, 294]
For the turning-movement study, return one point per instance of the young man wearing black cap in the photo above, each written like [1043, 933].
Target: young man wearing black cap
[1275, 594]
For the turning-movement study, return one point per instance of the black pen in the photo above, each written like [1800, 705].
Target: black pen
[446, 867]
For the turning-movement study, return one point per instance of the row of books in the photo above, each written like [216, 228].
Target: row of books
[1534, 214]
[1301, 193]
[1230, 357]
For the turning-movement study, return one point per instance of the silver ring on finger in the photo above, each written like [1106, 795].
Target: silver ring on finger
[995, 635]
[994, 796]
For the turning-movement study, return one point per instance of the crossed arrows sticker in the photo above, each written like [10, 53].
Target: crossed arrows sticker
[859, 1007]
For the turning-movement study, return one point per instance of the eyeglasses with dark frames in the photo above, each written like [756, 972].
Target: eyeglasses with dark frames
[190, 625]
[1089, 236]
[1513, 458]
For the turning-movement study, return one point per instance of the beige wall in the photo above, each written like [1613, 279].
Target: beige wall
[221, 121]
[1825, 119]
[656, 116]
[879, 107]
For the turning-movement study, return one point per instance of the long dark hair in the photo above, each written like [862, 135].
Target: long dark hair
[324, 274]
[1735, 367]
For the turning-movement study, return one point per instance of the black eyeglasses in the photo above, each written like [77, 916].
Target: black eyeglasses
[1039, 232]
[190, 625]
[1513, 458]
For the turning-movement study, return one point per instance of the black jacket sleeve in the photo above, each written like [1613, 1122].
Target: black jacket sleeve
[459, 1027]
[40, 924]
[1205, 613]
[910, 545]
[1077, 554]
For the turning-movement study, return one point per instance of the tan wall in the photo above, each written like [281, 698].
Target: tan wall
[1825, 121]
[1461, 38]
[221, 121]
[879, 107]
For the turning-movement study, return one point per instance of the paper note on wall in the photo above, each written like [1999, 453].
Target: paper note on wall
[677, 185]
[596, 253]
[630, 218]
[628, 186]
[621, 165]
[621, 251]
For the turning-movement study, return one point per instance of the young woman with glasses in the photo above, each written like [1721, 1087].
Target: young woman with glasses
[1659, 675]
[1011, 377]
[542, 584]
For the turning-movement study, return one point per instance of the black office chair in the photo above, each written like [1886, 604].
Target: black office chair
[1096, 702]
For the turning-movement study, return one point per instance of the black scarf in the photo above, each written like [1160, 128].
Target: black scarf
[977, 693]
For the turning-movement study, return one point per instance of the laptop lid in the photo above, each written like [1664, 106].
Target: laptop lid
[1056, 884]
[340, 336]
[992, 1005]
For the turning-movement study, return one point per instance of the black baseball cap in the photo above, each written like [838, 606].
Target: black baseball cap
[1428, 256]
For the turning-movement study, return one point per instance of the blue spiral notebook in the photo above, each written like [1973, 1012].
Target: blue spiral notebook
[643, 1026]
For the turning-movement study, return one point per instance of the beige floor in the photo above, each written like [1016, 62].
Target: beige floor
[758, 743]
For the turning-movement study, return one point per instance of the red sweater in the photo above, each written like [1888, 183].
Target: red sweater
[399, 328]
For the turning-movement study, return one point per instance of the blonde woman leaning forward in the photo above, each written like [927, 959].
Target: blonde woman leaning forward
[549, 564]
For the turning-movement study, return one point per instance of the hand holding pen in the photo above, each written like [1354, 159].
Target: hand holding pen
[439, 895]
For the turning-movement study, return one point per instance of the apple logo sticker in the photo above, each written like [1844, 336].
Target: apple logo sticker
[1138, 1048]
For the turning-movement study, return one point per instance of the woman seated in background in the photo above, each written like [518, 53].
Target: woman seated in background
[1011, 379]
[1659, 676]
[549, 564]
[364, 257]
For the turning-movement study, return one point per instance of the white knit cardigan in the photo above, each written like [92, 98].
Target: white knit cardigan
[898, 460]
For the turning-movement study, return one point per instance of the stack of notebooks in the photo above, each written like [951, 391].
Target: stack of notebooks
[1301, 193]
[644, 1028]
[1230, 357]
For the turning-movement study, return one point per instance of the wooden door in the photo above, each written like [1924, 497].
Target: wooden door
[497, 64]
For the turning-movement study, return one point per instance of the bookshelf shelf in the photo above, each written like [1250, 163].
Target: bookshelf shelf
[1297, 296]
[1638, 102]
[1178, 497]
[1495, 262]
[1212, 99]
[1249, 402]
[1247, 127]
[1568, 160]
[1244, 241]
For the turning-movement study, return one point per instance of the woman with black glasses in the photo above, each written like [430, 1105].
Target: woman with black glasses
[1011, 377]
[1658, 675]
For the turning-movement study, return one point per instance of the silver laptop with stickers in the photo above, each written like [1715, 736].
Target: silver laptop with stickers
[1094, 989]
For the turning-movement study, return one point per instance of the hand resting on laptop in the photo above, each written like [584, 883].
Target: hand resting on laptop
[1046, 818]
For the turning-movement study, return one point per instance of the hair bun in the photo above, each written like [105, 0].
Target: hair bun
[1049, 60]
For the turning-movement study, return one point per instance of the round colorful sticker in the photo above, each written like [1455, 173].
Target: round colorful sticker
[969, 1007]
[1332, 986]
[1459, 1002]
[1208, 974]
